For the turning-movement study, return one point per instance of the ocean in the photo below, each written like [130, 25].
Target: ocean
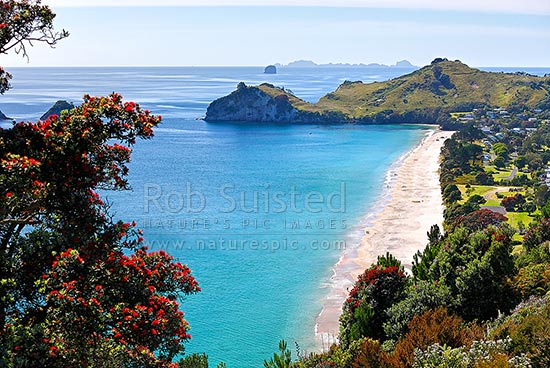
[260, 212]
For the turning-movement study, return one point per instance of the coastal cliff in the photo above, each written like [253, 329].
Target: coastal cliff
[266, 103]
[426, 95]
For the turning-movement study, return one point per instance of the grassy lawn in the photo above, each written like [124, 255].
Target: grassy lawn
[473, 190]
[515, 217]
[498, 174]
[483, 190]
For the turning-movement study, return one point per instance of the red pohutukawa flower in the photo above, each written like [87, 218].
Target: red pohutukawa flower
[87, 282]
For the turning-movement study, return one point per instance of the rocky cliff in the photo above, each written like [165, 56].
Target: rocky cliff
[424, 96]
[266, 103]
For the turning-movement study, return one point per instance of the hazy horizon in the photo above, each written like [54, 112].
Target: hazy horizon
[180, 33]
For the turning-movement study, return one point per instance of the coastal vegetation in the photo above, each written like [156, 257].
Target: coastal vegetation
[76, 287]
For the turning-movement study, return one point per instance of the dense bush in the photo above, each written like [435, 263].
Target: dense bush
[475, 266]
[533, 280]
[482, 354]
[451, 193]
[513, 203]
[537, 233]
[478, 220]
[377, 289]
[419, 299]
[435, 326]
[528, 328]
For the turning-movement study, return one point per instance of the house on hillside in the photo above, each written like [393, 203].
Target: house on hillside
[547, 179]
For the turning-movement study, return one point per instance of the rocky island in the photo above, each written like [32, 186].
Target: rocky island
[426, 95]
[270, 69]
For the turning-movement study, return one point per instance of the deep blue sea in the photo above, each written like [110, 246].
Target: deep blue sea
[259, 212]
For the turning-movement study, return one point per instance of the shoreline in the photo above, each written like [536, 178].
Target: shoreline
[398, 223]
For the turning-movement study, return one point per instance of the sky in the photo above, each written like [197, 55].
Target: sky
[247, 32]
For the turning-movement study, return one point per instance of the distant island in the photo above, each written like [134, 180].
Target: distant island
[426, 95]
[311, 64]
[270, 69]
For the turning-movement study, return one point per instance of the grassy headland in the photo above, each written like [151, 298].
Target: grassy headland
[428, 95]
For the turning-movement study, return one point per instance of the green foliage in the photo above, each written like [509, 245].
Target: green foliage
[488, 354]
[194, 361]
[435, 326]
[537, 233]
[437, 356]
[363, 322]
[539, 254]
[499, 162]
[389, 260]
[281, 360]
[528, 328]
[335, 357]
[545, 210]
[451, 193]
[482, 178]
[501, 150]
[419, 299]
[434, 235]
[475, 267]
[363, 313]
[422, 261]
[533, 280]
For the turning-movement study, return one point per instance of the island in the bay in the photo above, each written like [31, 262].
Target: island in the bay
[426, 95]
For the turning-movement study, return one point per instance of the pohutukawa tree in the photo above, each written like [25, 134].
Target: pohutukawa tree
[76, 287]
[23, 23]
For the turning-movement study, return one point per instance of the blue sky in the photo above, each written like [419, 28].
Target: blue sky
[480, 33]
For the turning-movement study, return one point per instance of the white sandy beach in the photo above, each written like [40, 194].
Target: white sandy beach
[400, 227]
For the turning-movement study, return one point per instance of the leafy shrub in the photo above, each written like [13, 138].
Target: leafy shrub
[538, 233]
[513, 203]
[482, 354]
[477, 267]
[194, 361]
[535, 255]
[435, 326]
[420, 298]
[451, 193]
[528, 329]
[335, 357]
[369, 355]
[533, 280]
[363, 313]
[479, 220]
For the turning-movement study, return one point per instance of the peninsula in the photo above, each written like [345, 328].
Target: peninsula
[426, 95]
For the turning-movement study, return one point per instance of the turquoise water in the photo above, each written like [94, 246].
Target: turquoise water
[261, 213]
[254, 295]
